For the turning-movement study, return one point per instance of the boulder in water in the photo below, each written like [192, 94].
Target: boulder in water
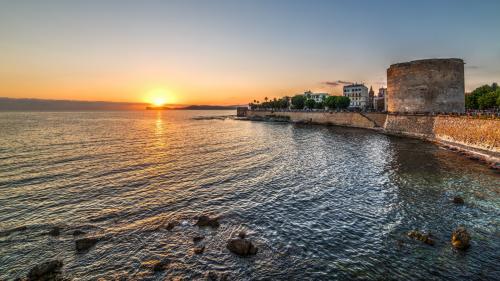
[242, 247]
[460, 238]
[458, 200]
[171, 225]
[84, 244]
[205, 220]
[55, 231]
[214, 276]
[421, 237]
[78, 232]
[199, 250]
[198, 238]
[46, 271]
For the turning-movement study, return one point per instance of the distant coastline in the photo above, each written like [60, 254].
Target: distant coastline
[26, 104]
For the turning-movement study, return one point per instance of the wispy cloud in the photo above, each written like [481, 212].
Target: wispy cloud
[336, 83]
[472, 67]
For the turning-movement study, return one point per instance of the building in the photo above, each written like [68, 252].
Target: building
[371, 95]
[358, 94]
[426, 86]
[317, 97]
[379, 100]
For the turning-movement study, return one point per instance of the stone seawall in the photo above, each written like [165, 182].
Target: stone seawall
[350, 119]
[480, 137]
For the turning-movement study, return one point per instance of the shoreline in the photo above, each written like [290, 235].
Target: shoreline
[433, 129]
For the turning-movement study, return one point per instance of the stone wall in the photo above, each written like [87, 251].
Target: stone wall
[468, 131]
[420, 126]
[351, 119]
[478, 136]
[432, 85]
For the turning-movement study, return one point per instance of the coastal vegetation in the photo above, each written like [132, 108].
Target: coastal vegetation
[302, 102]
[484, 97]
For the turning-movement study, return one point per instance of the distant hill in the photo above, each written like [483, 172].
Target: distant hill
[207, 107]
[10, 104]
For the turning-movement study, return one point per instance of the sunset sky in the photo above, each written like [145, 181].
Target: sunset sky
[231, 52]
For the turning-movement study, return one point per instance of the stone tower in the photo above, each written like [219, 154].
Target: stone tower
[425, 86]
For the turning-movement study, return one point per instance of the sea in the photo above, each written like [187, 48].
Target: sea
[319, 202]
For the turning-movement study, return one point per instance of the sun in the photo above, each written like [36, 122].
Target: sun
[159, 101]
[159, 97]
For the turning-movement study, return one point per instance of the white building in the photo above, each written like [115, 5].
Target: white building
[358, 94]
[317, 97]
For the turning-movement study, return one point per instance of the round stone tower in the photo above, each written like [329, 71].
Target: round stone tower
[423, 86]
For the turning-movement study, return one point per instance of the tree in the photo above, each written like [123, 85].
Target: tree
[319, 105]
[343, 102]
[331, 102]
[472, 99]
[310, 103]
[488, 100]
[283, 103]
[298, 101]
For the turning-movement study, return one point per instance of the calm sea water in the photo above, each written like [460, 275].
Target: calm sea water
[321, 203]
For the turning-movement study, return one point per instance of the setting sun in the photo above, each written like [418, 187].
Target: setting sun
[159, 97]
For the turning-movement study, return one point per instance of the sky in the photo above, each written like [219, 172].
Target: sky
[232, 52]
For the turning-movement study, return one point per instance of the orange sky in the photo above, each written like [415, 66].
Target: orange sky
[229, 52]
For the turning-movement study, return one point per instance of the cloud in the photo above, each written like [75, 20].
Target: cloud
[336, 83]
[472, 67]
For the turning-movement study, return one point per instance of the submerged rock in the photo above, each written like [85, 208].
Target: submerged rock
[12, 230]
[198, 238]
[78, 232]
[156, 265]
[460, 238]
[214, 276]
[208, 221]
[84, 244]
[199, 250]
[421, 237]
[46, 271]
[171, 225]
[458, 200]
[242, 247]
[55, 231]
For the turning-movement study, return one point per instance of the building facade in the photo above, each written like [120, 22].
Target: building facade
[379, 100]
[358, 94]
[317, 97]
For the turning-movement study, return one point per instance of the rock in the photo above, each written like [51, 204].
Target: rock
[46, 271]
[78, 232]
[214, 276]
[171, 225]
[421, 237]
[12, 230]
[55, 231]
[495, 166]
[458, 200]
[198, 238]
[460, 238]
[208, 221]
[241, 247]
[156, 265]
[199, 250]
[84, 244]
[242, 234]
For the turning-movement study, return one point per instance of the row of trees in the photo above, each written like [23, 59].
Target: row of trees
[302, 102]
[484, 97]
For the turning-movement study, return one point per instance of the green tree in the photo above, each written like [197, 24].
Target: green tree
[319, 105]
[498, 98]
[283, 102]
[343, 102]
[488, 100]
[472, 99]
[298, 101]
[310, 103]
[331, 102]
